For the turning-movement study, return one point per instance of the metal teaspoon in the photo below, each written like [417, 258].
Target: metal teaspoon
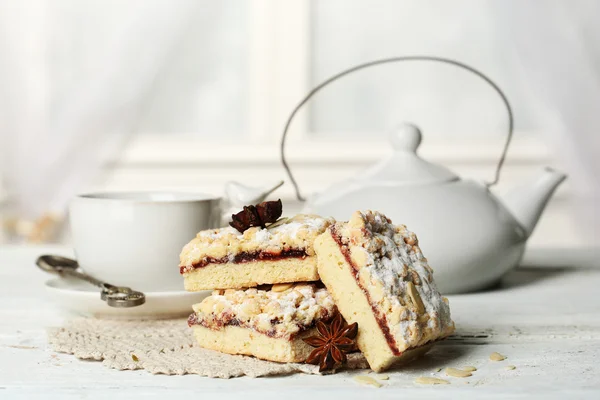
[115, 296]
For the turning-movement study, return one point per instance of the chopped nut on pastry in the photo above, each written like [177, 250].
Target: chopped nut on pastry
[267, 324]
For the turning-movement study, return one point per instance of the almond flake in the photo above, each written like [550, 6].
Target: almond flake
[457, 373]
[279, 222]
[469, 368]
[497, 357]
[367, 380]
[426, 380]
[281, 287]
[415, 297]
[510, 367]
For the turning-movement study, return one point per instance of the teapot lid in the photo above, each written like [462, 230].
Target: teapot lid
[404, 166]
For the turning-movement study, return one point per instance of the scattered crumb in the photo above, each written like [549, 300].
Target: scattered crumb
[438, 370]
[469, 368]
[510, 367]
[497, 357]
[367, 380]
[457, 373]
[383, 377]
[425, 380]
[135, 358]
[22, 347]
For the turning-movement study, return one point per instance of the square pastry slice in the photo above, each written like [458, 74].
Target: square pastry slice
[379, 278]
[227, 259]
[267, 324]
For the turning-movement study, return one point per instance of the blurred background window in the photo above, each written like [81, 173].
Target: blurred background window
[203, 88]
[187, 94]
[200, 88]
[443, 100]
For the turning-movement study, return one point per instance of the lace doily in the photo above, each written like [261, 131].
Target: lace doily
[164, 347]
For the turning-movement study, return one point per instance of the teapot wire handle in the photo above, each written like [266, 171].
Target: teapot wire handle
[373, 63]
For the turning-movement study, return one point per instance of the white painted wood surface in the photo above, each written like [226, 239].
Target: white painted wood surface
[545, 319]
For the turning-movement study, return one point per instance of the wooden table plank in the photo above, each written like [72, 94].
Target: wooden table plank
[545, 320]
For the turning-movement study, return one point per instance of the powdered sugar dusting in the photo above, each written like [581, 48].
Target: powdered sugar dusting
[298, 232]
[262, 236]
[279, 314]
[391, 258]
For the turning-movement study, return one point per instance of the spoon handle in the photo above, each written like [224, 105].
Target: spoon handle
[80, 275]
[115, 296]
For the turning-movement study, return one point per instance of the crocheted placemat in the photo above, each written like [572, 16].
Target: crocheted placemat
[164, 347]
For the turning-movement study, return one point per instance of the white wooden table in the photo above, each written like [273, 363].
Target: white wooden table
[546, 320]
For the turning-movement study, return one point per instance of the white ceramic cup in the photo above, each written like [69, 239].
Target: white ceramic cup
[134, 239]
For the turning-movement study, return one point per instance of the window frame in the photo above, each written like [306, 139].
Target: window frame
[279, 76]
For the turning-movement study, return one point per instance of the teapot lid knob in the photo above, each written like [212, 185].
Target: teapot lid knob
[406, 137]
[403, 166]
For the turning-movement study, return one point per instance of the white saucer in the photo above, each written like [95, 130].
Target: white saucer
[83, 298]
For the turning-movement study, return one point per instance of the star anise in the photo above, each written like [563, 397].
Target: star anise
[259, 215]
[332, 343]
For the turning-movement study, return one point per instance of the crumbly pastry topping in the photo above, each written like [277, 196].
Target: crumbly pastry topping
[296, 233]
[390, 266]
[283, 311]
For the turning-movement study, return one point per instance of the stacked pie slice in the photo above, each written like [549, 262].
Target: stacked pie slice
[268, 323]
[227, 259]
[263, 304]
[274, 285]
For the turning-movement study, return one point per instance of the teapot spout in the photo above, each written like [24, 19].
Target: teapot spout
[527, 202]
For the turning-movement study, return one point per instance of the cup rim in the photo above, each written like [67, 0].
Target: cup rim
[147, 197]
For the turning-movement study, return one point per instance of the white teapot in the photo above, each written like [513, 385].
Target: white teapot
[470, 237]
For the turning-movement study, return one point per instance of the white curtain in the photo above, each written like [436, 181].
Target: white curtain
[557, 45]
[74, 76]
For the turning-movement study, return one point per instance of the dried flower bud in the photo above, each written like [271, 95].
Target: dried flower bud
[259, 215]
